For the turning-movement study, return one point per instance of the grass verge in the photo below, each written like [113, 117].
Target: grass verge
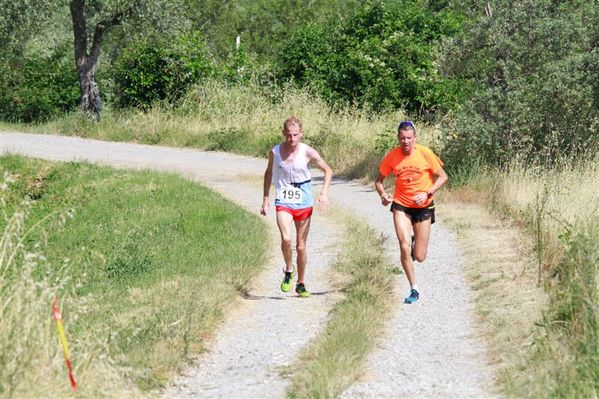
[334, 360]
[501, 270]
[537, 283]
[145, 268]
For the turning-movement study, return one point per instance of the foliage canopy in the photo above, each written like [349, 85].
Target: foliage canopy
[383, 56]
[534, 66]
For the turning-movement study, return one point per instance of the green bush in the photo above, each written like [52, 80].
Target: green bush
[36, 87]
[383, 56]
[534, 68]
[240, 68]
[149, 71]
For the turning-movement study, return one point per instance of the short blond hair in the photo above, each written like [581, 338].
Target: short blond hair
[292, 120]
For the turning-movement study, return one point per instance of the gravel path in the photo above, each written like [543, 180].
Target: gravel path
[428, 350]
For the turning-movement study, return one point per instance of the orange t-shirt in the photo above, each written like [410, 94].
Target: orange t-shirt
[413, 173]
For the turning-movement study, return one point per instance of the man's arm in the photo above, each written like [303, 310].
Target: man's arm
[266, 185]
[323, 198]
[440, 179]
[386, 199]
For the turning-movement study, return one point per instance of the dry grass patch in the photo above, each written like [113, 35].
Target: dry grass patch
[501, 269]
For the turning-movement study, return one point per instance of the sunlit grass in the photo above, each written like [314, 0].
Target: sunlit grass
[547, 201]
[502, 273]
[31, 358]
[558, 259]
[146, 268]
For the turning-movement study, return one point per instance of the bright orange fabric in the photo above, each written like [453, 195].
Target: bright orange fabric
[413, 173]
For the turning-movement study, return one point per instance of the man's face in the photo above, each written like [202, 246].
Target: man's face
[406, 140]
[293, 134]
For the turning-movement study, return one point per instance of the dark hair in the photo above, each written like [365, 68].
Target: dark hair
[405, 125]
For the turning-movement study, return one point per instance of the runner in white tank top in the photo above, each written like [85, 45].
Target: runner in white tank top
[293, 180]
[288, 167]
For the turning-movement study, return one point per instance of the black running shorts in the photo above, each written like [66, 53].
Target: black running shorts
[417, 214]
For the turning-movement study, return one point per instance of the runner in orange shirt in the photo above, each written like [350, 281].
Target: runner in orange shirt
[418, 175]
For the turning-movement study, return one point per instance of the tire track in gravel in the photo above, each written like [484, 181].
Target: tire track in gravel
[428, 350]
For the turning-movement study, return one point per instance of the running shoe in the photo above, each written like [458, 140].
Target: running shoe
[301, 290]
[413, 244]
[287, 281]
[414, 295]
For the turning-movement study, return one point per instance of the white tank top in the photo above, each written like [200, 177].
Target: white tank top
[292, 176]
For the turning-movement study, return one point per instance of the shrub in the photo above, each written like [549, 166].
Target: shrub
[149, 71]
[533, 65]
[383, 56]
[36, 87]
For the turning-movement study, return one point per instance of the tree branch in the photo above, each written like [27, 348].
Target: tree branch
[79, 30]
[106, 24]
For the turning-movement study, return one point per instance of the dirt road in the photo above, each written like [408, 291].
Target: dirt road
[429, 349]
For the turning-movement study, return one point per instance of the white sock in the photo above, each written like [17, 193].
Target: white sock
[415, 287]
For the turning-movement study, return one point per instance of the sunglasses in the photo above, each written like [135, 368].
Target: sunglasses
[404, 124]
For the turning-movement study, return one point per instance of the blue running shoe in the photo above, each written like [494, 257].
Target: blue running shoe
[414, 295]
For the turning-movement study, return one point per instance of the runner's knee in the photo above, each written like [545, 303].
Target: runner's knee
[301, 247]
[419, 257]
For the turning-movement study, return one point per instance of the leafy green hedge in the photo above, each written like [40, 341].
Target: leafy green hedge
[151, 71]
[383, 56]
[36, 87]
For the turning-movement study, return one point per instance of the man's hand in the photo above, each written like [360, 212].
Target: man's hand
[420, 199]
[265, 205]
[386, 199]
[323, 202]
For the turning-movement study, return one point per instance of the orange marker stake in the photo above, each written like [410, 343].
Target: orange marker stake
[63, 341]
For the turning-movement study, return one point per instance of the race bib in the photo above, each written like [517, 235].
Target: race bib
[290, 195]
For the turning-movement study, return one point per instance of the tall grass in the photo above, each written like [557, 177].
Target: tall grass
[548, 201]
[248, 119]
[572, 321]
[31, 360]
[559, 207]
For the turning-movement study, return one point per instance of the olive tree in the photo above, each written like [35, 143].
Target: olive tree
[92, 21]
[87, 51]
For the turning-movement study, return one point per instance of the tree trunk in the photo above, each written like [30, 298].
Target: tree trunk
[90, 95]
[86, 61]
